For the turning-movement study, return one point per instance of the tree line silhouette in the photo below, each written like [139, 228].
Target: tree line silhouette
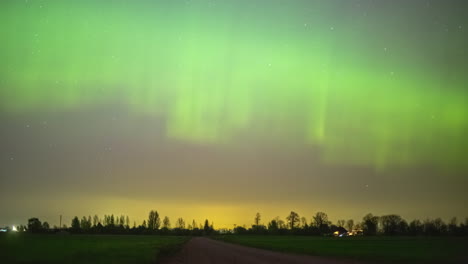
[293, 224]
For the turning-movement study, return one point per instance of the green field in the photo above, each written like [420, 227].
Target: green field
[381, 249]
[25, 248]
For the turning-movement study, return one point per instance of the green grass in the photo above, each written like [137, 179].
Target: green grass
[24, 248]
[381, 249]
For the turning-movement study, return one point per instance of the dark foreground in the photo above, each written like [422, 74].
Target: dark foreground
[372, 249]
[208, 251]
[96, 249]
[27, 248]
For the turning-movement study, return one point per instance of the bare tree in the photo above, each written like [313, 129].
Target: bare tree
[370, 224]
[127, 222]
[95, 220]
[350, 224]
[166, 222]
[122, 220]
[392, 224]
[341, 223]
[293, 219]
[153, 220]
[180, 223]
[281, 224]
[85, 223]
[320, 219]
[257, 219]
[75, 224]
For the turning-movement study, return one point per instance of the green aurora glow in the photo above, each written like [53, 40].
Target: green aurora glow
[359, 85]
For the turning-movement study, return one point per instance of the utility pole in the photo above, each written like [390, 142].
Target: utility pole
[60, 226]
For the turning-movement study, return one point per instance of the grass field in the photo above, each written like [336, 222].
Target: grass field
[381, 249]
[24, 248]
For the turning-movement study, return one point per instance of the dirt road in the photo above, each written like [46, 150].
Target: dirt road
[208, 251]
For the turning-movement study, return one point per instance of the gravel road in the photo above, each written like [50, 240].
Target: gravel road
[208, 251]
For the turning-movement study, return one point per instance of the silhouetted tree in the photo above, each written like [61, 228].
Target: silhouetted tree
[464, 227]
[258, 229]
[122, 220]
[452, 227]
[180, 223]
[154, 221]
[239, 230]
[370, 224]
[95, 220]
[341, 223]
[45, 226]
[273, 226]
[293, 219]
[320, 221]
[392, 224]
[415, 228]
[350, 224]
[75, 224]
[112, 220]
[440, 226]
[257, 219]
[281, 223]
[387, 224]
[21, 228]
[34, 225]
[166, 223]
[207, 229]
[127, 222]
[85, 223]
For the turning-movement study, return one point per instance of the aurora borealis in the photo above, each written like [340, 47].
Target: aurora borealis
[219, 109]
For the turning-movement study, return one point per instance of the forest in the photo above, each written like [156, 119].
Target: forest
[292, 224]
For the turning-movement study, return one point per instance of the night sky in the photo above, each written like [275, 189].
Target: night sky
[221, 109]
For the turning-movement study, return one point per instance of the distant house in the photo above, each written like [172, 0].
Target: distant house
[225, 231]
[340, 231]
[356, 232]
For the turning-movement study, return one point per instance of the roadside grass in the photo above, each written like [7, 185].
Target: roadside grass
[372, 249]
[27, 248]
